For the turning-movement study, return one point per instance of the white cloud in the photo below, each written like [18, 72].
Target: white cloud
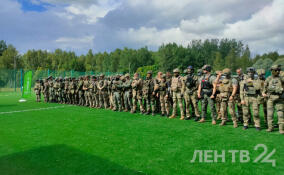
[75, 42]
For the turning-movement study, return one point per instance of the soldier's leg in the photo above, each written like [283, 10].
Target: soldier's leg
[119, 104]
[162, 103]
[139, 97]
[232, 112]
[212, 109]
[204, 102]
[280, 108]
[148, 104]
[174, 113]
[255, 108]
[264, 107]
[194, 102]
[270, 112]
[187, 105]
[223, 112]
[246, 111]
[153, 105]
[180, 105]
[105, 100]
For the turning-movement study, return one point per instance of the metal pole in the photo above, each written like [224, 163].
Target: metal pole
[15, 66]
[21, 80]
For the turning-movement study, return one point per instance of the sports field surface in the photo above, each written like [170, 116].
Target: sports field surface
[55, 139]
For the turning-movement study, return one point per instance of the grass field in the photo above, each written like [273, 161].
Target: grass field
[54, 139]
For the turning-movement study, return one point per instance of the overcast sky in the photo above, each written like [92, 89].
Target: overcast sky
[104, 25]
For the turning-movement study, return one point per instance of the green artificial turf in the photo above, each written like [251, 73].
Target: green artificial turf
[74, 140]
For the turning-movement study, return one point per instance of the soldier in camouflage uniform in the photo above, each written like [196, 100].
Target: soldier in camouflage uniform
[45, 90]
[240, 77]
[177, 93]
[126, 85]
[262, 100]
[148, 93]
[190, 86]
[37, 89]
[109, 91]
[218, 99]
[136, 86]
[72, 88]
[228, 88]
[66, 90]
[51, 89]
[274, 91]
[56, 87]
[86, 85]
[80, 91]
[102, 87]
[162, 90]
[91, 91]
[206, 92]
[249, 91]
[116, 89]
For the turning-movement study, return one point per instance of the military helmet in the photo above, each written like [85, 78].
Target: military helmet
[185, 71]
[226, 71]
[207, 67]
[127, 75]
[217, 72]
[199, 70]
[176, 70]
[164, 76]
[190, 67]
[251, 69]
[102, 75]
[276, 67]
[260, 71]
[150, 72]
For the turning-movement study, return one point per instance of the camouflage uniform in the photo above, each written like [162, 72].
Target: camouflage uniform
[228, 88]
[238, 100]
[148, 96]
[91, 91]
[206, 91]
[218, 99]
[51, 90]
[176, 89]
[190, 86]
[127, 92]
[66, 90]
[274, 90]
[137, 93]
[72, 88]
[249, 90]
[162, 89]
[103, 94]
[86, 85]
[37, 89]
[80, 91]
[116, 89]
[56, 87]
[45, 91]
[262, 100]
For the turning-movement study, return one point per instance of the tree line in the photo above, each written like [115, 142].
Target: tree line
[218, 53]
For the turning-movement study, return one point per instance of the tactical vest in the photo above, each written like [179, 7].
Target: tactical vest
[189, 81]
[176, 84]
[163, 86]
[135, 84]
[205, 83]
[251, 88]
[275, 86]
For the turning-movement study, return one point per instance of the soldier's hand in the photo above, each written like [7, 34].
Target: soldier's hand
[243, 102]
[212, 96]
[199, 96]
[264, 95]
[231, 98]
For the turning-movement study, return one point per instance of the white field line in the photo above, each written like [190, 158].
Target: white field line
[37, 109]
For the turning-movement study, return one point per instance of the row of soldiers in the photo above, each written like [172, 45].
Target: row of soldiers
[221, 91]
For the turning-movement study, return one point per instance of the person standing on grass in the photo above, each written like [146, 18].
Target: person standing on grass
[206, 92]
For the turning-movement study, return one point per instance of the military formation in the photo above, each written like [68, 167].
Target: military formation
[239, 95]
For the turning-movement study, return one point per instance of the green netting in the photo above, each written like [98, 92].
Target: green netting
[12, 80]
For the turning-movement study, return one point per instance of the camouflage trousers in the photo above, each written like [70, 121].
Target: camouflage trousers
[225, 104]
[127, 100]
[149, 101]
[251, 101]
[191, 98]
[103, 99]
[46, 96]
[275, 101]
[81, 97]
[177, 99]
[205, 101]
[116, 100]
[164, 102]
[38, 96]
[86, 97]
[263, 101]
[239, 107]
[137, 97]
[218, 101]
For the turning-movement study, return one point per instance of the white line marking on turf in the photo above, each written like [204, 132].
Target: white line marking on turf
[28, 110]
